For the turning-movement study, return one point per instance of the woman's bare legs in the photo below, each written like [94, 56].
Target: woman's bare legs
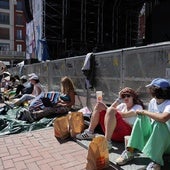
[110, 122]
[89, 133]
[96, 115]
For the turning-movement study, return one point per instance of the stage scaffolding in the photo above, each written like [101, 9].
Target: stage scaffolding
[76, 27]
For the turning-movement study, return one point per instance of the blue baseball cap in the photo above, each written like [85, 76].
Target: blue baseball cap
[159, 82]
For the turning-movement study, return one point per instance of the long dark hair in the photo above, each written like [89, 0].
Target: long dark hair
[160, 93]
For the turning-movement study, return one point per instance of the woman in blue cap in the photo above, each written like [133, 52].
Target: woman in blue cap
[151, 126]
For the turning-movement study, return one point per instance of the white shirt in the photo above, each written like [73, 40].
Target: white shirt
[123, 108]
[38, 89]
[160, 108]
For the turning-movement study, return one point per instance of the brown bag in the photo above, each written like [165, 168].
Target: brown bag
[61, 127]
[98, 154]
[76, 123]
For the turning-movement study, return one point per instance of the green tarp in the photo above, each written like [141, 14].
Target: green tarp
[10, 125]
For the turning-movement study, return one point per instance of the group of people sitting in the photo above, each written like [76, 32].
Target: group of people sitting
[14, 86]
[33, 92]
[149, 130]
[23, 89]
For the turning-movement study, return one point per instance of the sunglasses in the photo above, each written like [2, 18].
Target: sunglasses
[126, 95]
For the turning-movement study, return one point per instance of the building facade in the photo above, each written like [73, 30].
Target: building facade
[12, 31]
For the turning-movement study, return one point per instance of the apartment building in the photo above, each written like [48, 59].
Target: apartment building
[12, 31]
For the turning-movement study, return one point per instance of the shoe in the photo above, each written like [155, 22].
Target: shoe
[28, 116]
[86, 135]
[125, 157]
[153, 166]
[109, 145]
[25, 115]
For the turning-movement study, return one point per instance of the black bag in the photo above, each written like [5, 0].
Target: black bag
[47, 102]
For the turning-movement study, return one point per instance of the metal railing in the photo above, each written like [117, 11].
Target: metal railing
[12, 54]
[133, 67]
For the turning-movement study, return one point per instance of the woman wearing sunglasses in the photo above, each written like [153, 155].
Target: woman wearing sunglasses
[151, 131]
[116, 120]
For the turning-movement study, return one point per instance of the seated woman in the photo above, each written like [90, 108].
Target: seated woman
[64, 104]
[116, 120]
[8, 85]
[151, 131]
[37, 93]
[24, 87]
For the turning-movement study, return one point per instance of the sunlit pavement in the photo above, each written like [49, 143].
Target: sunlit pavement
[40, 149]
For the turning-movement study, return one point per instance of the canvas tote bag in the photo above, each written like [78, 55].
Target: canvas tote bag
[98, 154]
[76, 123]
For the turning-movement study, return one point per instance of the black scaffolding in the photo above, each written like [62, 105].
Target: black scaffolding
[76, 27]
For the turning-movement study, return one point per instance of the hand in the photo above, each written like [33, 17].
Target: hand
[101, 106]
[118, 100]
[140, 112]
[119, 93]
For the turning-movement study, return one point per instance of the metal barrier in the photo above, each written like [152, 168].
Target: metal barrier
[133, 67]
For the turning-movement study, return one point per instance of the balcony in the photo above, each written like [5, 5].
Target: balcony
[9, 55]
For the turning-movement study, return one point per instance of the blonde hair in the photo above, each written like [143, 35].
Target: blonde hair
[67, 85]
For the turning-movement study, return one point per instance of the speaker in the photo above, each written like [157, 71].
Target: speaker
[157, 24]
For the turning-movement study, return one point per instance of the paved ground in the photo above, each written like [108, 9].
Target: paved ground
[40, 150]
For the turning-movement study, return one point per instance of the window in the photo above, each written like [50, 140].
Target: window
[19, 35]
[4, 47]
[19, 47]
[4, 4]
[19, 20]
[19, 5]
[4, 33]
[4, 18]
